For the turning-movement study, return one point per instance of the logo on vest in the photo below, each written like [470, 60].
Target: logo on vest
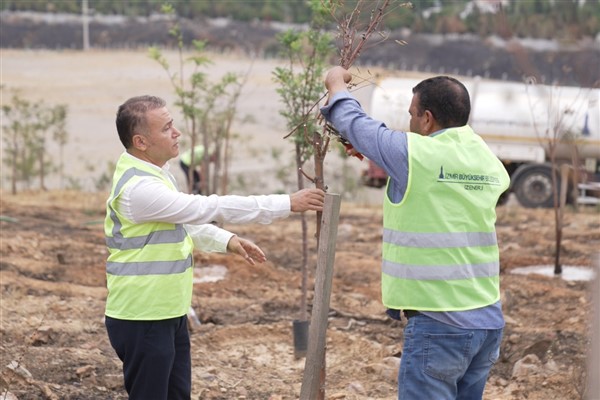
[471, 181]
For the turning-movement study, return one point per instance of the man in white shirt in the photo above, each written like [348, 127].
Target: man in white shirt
[151, 229]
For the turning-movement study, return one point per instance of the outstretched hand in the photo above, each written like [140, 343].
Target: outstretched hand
[307, 199]
[245, 248]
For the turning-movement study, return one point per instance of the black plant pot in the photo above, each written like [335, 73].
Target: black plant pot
[300, 338]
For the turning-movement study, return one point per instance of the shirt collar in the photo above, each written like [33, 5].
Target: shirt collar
[156, 167]
[438, 132]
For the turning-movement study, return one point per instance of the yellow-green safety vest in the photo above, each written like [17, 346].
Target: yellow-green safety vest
[186, 156]
[440, 251]
[149, 271]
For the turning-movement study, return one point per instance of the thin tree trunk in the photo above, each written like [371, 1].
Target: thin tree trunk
[225, 161]
[62, 166]
[13, 178]
[190, 172]
[575, 162]
[319, 172]
[42, 169]
[303, 315]
[557, 214]
[216, 165]
[226, 144]
[204, 182]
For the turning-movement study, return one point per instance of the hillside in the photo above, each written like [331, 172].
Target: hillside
[551, 61]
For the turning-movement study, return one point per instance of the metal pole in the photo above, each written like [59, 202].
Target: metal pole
[86, 30]
[593, 372]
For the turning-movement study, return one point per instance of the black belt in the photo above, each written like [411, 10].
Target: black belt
[410, 313]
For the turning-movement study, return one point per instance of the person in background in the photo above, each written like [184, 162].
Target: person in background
[151, 230]
[440, 261]
[185, 162]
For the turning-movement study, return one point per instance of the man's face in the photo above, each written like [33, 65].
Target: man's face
[161, 139]
[416, 124]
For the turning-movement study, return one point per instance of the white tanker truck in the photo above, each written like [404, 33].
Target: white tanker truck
[520, 122]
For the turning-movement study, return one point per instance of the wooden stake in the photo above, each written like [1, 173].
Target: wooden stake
[313, 382]
[593, 372]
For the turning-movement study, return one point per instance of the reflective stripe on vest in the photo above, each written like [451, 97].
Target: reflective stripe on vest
[440, 249]
[439, 272]
[149, 267]
[439, 240]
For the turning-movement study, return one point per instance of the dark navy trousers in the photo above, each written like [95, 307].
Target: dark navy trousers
[156, 357]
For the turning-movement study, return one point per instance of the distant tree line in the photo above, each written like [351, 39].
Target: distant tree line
[565, 19]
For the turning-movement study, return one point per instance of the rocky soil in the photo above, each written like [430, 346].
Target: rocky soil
[54, 345]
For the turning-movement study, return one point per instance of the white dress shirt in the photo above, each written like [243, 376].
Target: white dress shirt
[149, 199]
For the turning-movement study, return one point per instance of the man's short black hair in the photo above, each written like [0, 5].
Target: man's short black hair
[446, 98]
[131, 116]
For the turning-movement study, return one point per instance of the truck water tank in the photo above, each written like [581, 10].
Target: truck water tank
[517, 120]
[520, 123]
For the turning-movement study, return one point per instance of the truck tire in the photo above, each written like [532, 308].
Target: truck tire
[503, 199]
[533, 187]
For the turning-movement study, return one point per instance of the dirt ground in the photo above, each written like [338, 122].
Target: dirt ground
[54, 345]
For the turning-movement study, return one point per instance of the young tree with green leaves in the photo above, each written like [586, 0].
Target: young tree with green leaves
[355, 27]
[28, 127]
[300, 89]
[60, 136]
[301, 92]
[208, 108]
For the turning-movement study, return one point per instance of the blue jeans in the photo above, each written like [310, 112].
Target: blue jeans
[441, 362]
